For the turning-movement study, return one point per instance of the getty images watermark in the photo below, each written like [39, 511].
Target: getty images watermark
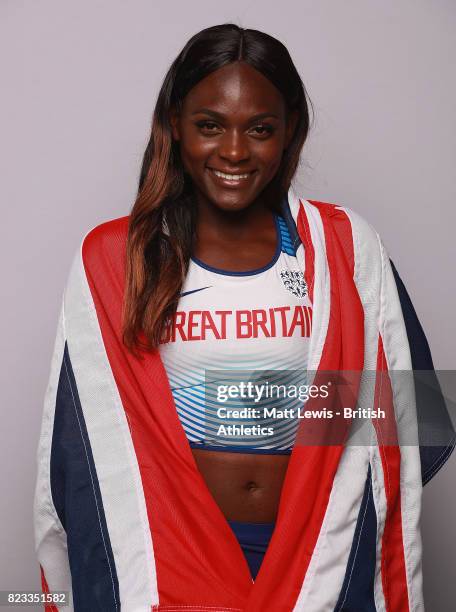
[267, 408]
[258, 392]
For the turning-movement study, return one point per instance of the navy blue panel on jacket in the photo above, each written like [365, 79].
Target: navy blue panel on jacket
[78, 502]
[357, 594]
[431, 409]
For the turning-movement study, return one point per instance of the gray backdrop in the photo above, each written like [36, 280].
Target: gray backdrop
[79, 81]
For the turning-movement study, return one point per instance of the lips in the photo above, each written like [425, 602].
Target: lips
[231, 178]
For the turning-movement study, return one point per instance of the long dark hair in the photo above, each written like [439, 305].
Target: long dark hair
[163, 218]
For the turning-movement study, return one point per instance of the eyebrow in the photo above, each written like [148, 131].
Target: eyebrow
[211, 113]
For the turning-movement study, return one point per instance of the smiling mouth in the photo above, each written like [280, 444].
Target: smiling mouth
[234, 178]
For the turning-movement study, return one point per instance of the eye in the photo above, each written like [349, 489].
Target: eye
[262, 130]
[208, 127]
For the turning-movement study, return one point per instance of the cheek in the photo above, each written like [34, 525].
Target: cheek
[271, 157]
[194, 150]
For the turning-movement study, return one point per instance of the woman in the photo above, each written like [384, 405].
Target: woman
[143, 489]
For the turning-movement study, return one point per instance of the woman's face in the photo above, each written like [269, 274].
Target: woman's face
[232, 131]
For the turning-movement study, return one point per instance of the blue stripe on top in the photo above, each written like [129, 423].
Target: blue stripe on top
[287, 245]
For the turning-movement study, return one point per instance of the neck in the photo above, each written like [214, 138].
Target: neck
[216, 223]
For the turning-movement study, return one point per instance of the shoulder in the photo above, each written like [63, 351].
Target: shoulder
[102, 251]
[343, 217]
[106, 238]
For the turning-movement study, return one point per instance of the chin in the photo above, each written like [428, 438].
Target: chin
[230, 199]
[224, 203]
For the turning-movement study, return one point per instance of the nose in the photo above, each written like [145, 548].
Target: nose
[233, 147]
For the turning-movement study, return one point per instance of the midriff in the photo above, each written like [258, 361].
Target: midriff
[246, 486]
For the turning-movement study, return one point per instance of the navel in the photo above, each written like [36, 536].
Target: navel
[252, 486]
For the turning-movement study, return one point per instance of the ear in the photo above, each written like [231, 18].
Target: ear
[174, 123]
[292, 120]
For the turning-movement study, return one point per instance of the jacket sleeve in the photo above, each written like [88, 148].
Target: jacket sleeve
[50, 534]
[431, 408]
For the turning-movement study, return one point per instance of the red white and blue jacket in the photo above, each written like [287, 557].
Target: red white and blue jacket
[123, 518]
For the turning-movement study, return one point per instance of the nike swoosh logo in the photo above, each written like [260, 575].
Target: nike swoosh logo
[194, 291]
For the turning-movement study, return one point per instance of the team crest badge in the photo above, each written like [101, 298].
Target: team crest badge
[294, 282]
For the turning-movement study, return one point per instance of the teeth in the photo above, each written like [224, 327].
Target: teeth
[231, 177]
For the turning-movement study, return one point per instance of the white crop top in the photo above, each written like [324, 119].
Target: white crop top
[255, 320]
